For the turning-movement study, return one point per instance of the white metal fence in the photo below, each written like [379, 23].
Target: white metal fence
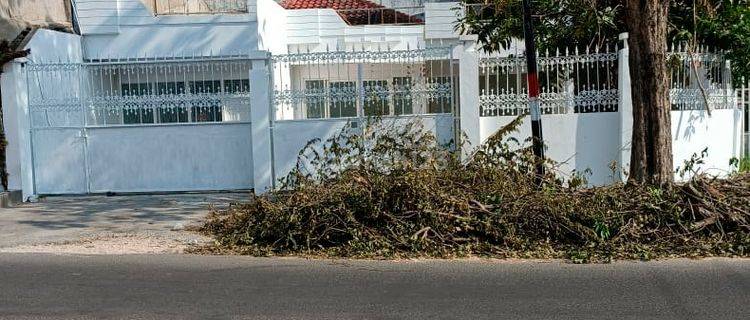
[570, 82]
[346, 84]
[699, 77]
[175, 124]
[129, 92]
[583, 82]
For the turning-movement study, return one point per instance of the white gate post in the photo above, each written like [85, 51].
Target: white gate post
[468, 76]
[731, 98]
[18, 129]
[624, 107]
[262, 126]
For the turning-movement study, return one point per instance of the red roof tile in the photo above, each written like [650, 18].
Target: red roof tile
[355, 12]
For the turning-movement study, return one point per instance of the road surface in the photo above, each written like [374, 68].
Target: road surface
[39, 286]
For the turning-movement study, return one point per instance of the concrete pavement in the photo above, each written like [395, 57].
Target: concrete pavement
[72, 219]
[208, 287]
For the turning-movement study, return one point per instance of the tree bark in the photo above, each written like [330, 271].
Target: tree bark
[651, 150]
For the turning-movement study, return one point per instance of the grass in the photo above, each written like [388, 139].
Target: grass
[392, 192]
[744, 165]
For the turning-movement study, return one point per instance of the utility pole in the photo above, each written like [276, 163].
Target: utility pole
[533, 83]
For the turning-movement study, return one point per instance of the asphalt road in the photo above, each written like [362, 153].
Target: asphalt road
[202, 287]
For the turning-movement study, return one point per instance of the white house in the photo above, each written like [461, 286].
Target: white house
[193, 95]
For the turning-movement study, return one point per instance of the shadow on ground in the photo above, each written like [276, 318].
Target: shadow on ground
[55, 219]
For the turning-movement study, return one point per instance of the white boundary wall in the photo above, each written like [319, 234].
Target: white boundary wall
[579, 141]
[290, 136]
[720, 133]
[596, 141]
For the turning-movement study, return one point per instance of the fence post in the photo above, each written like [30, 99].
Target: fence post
[16, 122]
[262, 125]
[624, 107]
[744, 95]
[468, 111]
[731, 98]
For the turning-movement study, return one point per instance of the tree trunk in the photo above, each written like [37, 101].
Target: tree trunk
[651, 151]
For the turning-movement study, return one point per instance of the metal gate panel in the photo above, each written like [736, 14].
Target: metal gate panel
[59, 157]
[180, 124]
[170, 158]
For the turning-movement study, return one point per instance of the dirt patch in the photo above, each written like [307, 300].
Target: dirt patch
[116, 244]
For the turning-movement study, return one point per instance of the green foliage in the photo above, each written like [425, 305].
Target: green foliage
[720, 24]
[561, 24]
[385, 191]
[742, 165]
[691, 166]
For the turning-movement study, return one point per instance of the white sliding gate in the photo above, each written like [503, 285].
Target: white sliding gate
[141, 126]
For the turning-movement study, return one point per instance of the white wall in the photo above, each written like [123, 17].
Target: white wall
[272, 27]
[694, 130]
[45, 45]
[319, 29]
[170, 158]
[98, 17]
[54, 46]
[128, 29]
[289, 137]
[440, 20]
[14, 100]
[576, 141]
[592, 140]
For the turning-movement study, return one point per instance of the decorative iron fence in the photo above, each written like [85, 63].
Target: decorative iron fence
[375, 82]
[171, 7]
[569, 82]
[128, 92]
[699, 77]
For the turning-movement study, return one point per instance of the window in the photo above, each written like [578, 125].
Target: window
[236, 86]
[171, 110]
[198, 6]
[442, 101]
[133, 112]
[376, 98]
[343, 101]
[178, 102]
[168, 110]
[206, 107]
[402, 100]
[315, 100]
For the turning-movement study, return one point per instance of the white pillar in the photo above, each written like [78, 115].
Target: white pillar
[468, 76]
[262, 127]
[731, 98]
[624, 107]
[17, 129]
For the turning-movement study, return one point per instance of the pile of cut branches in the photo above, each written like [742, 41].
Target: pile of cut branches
[394, 191]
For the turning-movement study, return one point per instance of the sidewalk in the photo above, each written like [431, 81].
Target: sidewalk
[102, 224]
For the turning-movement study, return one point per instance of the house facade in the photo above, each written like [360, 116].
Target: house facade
[195, 95]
